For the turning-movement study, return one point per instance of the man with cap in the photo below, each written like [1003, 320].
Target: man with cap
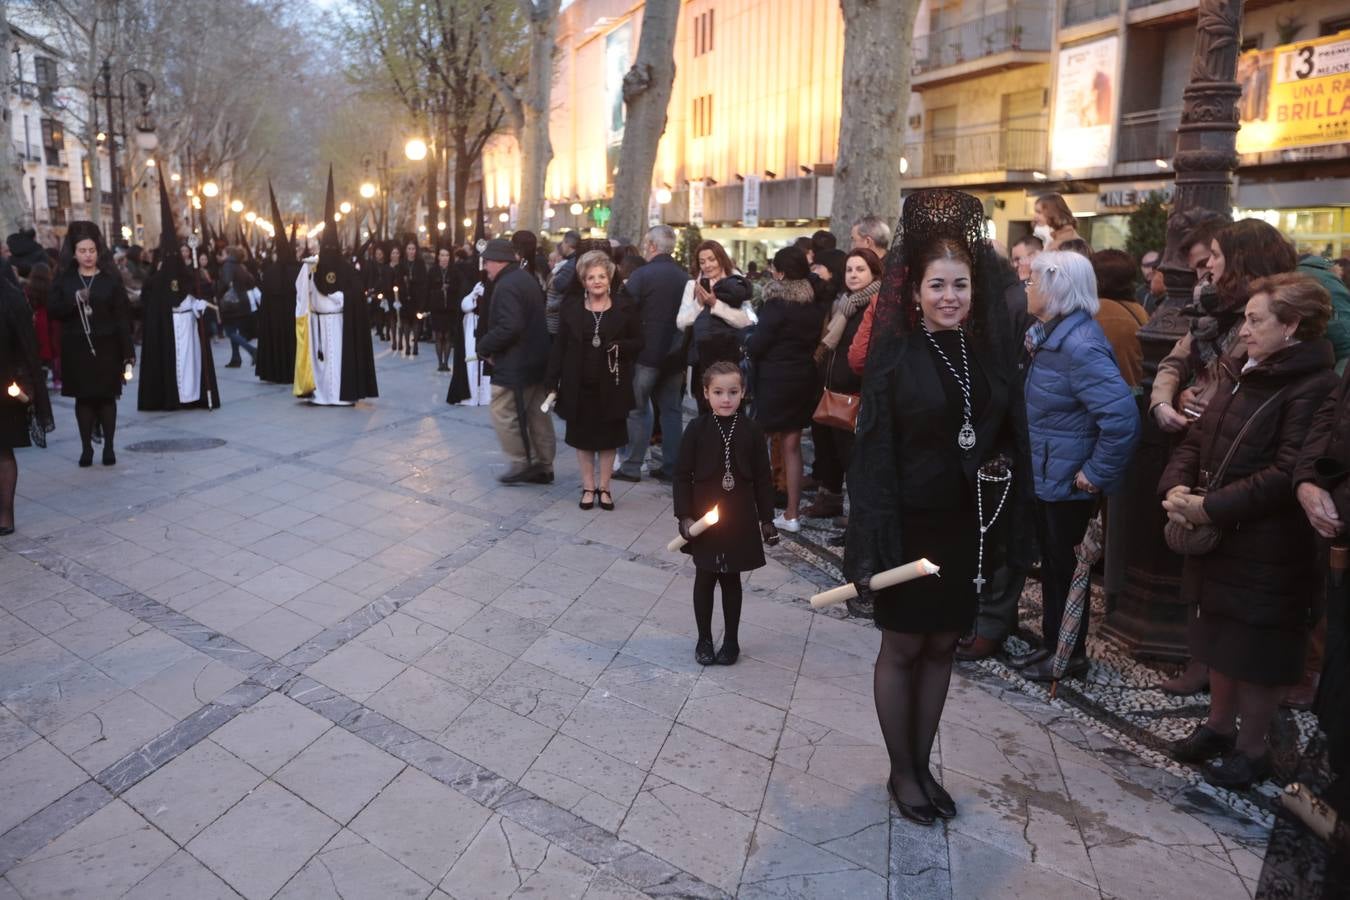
[336, 345]
[176, 365]
[515, 341]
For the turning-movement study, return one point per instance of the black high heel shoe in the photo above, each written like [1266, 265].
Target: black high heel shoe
[937, 795]
[922, 815]
[584, 503]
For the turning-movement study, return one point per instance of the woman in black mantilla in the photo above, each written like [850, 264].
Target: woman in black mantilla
[91, 303]
[22, 422]
[940, 430]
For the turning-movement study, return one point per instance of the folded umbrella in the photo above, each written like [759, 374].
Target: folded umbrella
[1088, 553]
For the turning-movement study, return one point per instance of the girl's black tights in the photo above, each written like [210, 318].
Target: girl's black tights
[704, 582]
[102, 411]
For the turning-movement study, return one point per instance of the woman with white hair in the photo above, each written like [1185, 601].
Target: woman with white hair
[1083, 425]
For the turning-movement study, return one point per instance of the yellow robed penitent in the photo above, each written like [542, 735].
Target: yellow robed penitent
[304, 365]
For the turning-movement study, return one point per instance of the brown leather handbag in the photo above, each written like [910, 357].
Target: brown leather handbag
[1201, 539]
[837, 409]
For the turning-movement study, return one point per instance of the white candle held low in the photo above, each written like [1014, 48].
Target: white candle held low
[695, 530]
[548, 401]
[920, 568]
[128, 372]
[17, 392]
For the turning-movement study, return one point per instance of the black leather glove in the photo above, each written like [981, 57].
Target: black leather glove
[769, 533]
[685, 524]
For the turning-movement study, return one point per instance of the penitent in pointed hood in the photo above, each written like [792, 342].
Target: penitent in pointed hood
[328, 272]
[170, 261]
[282, 249]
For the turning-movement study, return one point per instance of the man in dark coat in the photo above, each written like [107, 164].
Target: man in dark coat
[516, 341]
[657, 288]
[174, 374]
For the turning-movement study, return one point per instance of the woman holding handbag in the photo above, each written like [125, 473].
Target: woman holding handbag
[837, 412]
[25, 410]
[1251, 565]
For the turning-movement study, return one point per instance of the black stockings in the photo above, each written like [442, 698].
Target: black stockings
[704, 582]
[909, 685]
[9, 480]
[443, 348]
[87, 412]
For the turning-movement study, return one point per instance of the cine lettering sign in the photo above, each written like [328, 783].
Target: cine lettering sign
[1295, 95]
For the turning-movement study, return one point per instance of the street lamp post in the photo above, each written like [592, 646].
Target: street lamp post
[1150, 617]
[146, 139]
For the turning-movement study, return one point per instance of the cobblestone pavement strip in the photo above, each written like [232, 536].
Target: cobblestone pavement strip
[332, 657]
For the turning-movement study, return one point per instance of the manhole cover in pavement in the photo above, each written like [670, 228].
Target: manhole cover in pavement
[176, 445]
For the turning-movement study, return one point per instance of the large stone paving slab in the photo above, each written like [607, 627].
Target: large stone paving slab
[391, 677]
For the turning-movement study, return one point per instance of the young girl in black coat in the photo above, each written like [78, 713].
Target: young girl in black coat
[723, 462]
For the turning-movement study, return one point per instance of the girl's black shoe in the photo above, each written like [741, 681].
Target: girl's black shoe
[1237, 771]
[583, 502]
[606, 504]
[703, 652]
[728, 655]
[923, 815]
[937, 795]
[1204, 743]
[87, 458]
[109, 457]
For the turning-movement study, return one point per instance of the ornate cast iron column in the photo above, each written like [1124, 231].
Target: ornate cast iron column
[1149, 617]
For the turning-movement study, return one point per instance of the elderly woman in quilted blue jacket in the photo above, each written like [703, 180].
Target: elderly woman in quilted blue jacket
[1083, 424]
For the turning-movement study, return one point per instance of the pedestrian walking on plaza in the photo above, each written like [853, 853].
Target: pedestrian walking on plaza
[834, 444]
[373, 278]
[1259, 590]
[591, 369]
[26, 413]
[414, 272]
[91, 305]
[937, 472]
[1053, 222]
[515, 341]
[787, 385]
[1083, 426]
[656, 289]
[715, 309]
[236, 311]
[723, 463]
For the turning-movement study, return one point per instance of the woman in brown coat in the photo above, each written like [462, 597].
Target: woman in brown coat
[1256, 593]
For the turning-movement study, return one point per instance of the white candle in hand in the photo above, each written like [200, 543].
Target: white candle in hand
[695, 530]
[889, 578]
[548, 401]
[128, 372]
[17, 392]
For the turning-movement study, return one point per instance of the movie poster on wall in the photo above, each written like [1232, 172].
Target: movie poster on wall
[1085, 88]
[1295, 95]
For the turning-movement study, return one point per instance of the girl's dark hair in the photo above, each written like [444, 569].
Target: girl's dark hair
[868, 256]
[722, 367]
[1252, 249]
[39, 285]
[526, 245]
[719, 252]
[1115, 271]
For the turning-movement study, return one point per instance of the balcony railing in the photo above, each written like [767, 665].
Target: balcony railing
[1018, 27]
[1140, 4]
[1076, 12]
[32, 90]
[1151, 134]
[988, 150]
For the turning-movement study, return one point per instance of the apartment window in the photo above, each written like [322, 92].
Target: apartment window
[53, 141]
[703, 33]
[1251, 43]
[44, 71]
[1334, 26]
[58, 194]
[703, 115]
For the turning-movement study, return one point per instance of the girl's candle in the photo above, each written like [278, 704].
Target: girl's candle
[17, 392]
[695, 530]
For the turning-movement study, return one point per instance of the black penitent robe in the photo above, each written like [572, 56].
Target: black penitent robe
[158, 388]
[276, 324]
[358, 354]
